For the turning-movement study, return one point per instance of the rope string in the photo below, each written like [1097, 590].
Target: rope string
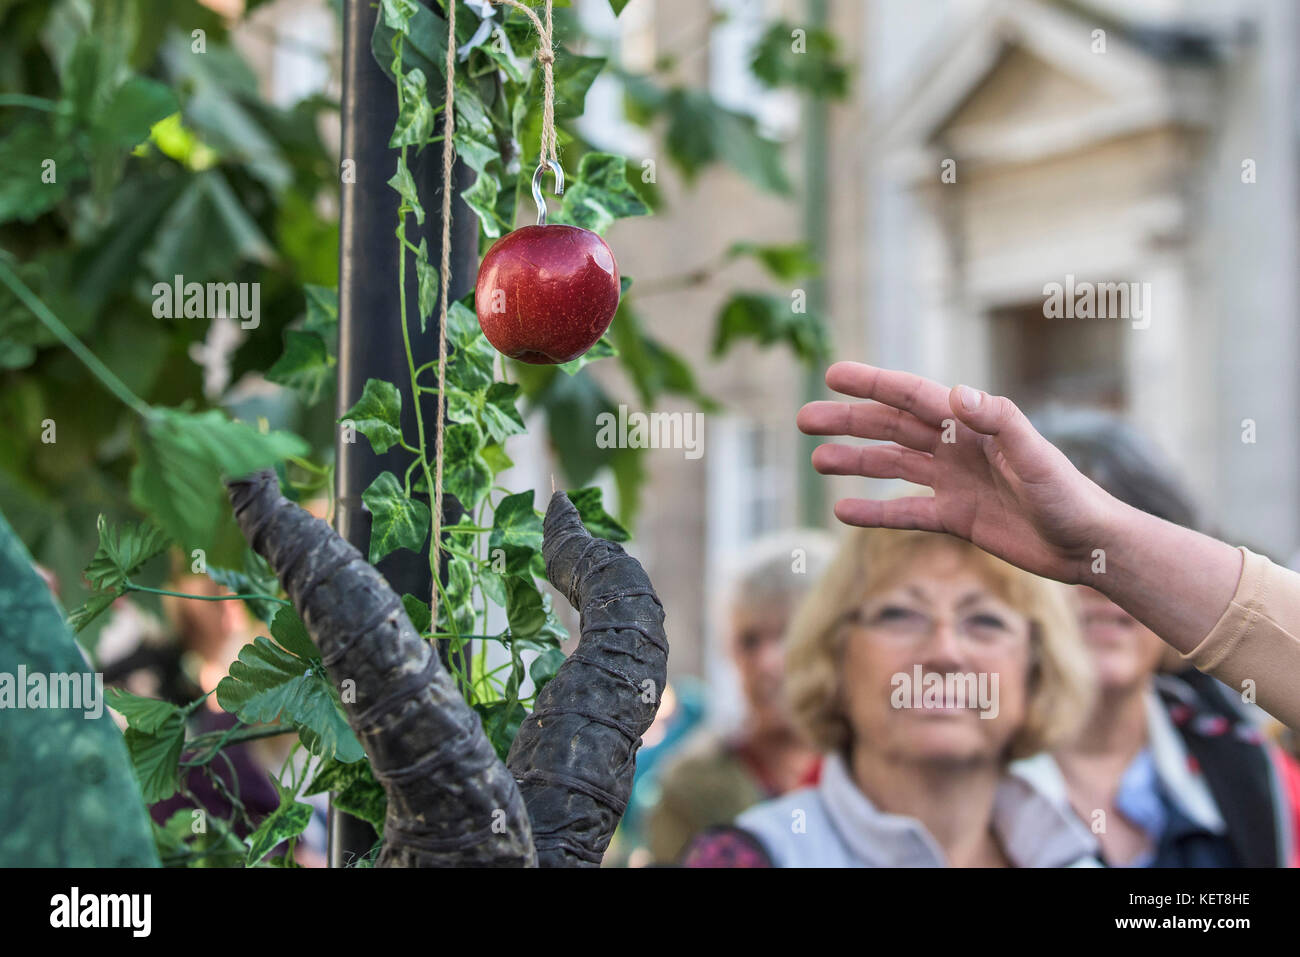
[549, 152]
[444, 279]
[550, 148]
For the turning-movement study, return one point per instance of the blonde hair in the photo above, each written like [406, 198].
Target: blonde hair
[1060, 679]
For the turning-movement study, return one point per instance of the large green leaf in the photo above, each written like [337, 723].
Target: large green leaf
[182, 459]
[269, 682]
[155, 737]
[156, 758]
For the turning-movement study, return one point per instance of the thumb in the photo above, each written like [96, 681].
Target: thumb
[997, 416]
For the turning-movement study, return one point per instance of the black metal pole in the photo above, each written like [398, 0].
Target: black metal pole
[370, 339]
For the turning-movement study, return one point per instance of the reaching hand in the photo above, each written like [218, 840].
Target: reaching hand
[996, 481]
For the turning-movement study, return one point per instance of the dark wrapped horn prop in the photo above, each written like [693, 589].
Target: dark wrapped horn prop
[451, 802]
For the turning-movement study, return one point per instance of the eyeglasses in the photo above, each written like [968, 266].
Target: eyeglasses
[979, 630]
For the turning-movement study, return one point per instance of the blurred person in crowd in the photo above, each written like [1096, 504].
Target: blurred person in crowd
[682, 709]
[718, 775]
[922, 667]
[1168, 769]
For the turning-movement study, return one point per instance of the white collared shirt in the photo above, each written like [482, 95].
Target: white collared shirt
[835, 825]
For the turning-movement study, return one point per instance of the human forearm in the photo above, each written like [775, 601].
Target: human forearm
[1175, 581]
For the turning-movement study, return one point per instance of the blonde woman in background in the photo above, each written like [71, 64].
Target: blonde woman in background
[719, 774]
[912, 778]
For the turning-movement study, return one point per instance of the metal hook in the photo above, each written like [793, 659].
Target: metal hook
[537, 187]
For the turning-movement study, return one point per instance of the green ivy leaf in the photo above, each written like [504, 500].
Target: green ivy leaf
[354, 788]
[767, 320]
[378, 415]
[618, 5]
[415, 119]
[404, 183]
[591, 509]
[418, 612]
[465, 474]
[493, 585]
[23, 150]
[573, 77]
[482, 198]
[544, 667]
[601, 194]
[603, 349]
[495, 456]
[305, 365]
[653, 367]
[428, 285]
[524, 609]
[399, 522]
[813, 69]
[288, 820]
[501, 721]
[398, 13]
[500, 412]
[786, 263]
[516, 524]
[269, 682]
[701, 132]
[95, 606]
[322, 313]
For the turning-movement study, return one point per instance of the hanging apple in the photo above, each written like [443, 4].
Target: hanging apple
[546, 294]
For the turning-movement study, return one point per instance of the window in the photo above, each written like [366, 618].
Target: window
[1038, 360]
[741, 24]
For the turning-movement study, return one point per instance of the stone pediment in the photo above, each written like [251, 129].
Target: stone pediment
[1023, 80]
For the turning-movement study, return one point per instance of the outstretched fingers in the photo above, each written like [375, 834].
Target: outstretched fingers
[875, 461]
[919, 512]
[924, 399]
[867, 420]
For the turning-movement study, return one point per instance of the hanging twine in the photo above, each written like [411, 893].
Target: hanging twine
[444, 278]
[549, 153]
[550, 148]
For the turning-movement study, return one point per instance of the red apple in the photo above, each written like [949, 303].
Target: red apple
[546, 294]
